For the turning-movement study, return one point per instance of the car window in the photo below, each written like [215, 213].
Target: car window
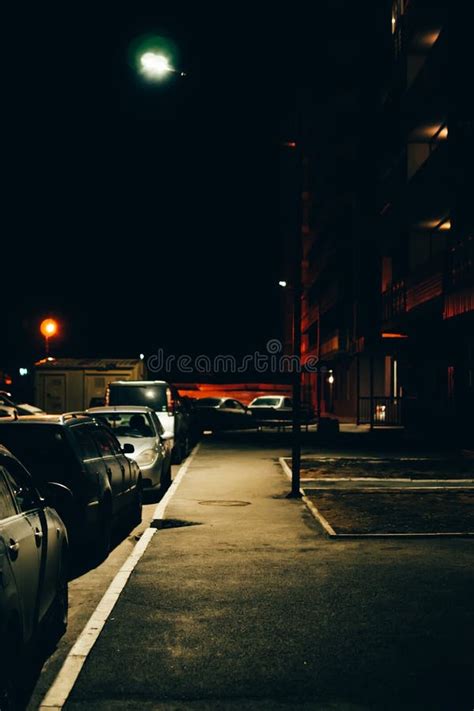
[151, 395]
[266, 402]
[209, 402]
[23, 491]
[128, 424]
[45, 450]
[86, 442]
[108, 445]
[7, 505]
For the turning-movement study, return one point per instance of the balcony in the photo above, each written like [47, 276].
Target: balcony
[394, 301]
[460, 265]
[459, 279]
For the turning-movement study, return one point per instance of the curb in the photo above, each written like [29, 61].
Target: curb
[329, 530]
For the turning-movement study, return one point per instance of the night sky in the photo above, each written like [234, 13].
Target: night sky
[150, 215]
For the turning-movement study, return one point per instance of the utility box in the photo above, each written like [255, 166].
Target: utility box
[70, 384]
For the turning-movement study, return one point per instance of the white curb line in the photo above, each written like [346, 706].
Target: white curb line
[332, 533]
[317, 515]
[63, 684]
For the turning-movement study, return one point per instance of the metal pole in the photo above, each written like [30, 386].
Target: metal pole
[297, 294]
[371, 385]
[358, 387]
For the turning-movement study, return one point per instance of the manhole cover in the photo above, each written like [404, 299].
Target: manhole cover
[224, 503]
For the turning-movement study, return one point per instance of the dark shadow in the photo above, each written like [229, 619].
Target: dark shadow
[164, 523]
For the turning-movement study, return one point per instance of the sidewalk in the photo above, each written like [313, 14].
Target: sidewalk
[250, 606]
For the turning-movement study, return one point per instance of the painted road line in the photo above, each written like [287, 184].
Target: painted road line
[403, 480]
[445, 534]
[309, 504]
[62, 686]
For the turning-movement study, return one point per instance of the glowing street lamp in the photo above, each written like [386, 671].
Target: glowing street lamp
[156, 66]
[49, 328]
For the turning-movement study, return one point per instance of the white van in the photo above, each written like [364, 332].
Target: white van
[161, 397]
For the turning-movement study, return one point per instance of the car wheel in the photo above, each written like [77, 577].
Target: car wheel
[166, 478]
[61, 603]
[136, 517]
[177, 453]
[105, 532]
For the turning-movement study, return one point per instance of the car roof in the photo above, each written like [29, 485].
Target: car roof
[143, 409]
[66, 419]
[277, 395]
[139, 382]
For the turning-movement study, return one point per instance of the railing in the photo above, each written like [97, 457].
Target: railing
[380, 411]
[394, 301]
[460, 265]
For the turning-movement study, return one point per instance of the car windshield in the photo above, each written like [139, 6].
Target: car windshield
[265, 402]
[153, 396]
[128, 424]
[43, 449]
[209, 402]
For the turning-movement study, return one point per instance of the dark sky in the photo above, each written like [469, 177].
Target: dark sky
[150, 215]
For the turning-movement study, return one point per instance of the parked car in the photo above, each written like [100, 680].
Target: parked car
[277, 407]
[23, 408]
[194, 430]
[166, 402]
[82, 454]
[141, 427]
[7, 411]
[223, 413]
[34, 572]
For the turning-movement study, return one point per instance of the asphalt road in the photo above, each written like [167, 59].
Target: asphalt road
[250, 606]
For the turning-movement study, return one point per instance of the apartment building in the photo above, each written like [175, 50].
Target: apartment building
[388, 303]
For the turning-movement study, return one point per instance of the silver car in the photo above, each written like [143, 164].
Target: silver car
[140, 426]
[33, 568]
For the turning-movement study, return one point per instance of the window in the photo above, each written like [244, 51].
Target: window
[108, 446]
[45, 450]
[7, 505]
[23, 491]
[86, 443]
[128, 424]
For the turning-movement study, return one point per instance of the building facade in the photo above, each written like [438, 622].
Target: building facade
[388, 303]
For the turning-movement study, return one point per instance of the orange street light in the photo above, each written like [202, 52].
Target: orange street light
[49, 327]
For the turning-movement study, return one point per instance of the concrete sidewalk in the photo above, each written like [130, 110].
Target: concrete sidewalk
[250, 606]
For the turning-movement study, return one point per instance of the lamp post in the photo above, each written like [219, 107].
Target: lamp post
[297, 289]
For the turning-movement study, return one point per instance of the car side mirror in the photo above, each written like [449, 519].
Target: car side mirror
[128, 448]
[166, 436]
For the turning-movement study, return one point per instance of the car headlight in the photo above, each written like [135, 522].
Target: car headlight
[146, 458]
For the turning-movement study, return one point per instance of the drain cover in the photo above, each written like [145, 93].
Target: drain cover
[224, 503]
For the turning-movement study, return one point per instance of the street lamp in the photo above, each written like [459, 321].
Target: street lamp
[49, 328]
[155, 66]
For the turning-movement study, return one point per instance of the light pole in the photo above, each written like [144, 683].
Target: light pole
[297, 289]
